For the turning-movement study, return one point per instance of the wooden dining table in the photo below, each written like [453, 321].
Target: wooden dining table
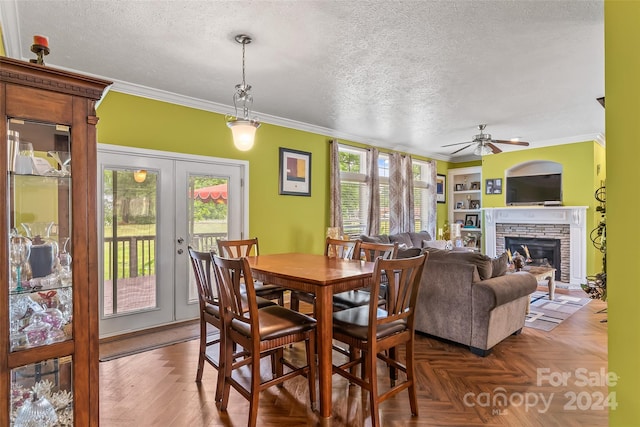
[322, 276]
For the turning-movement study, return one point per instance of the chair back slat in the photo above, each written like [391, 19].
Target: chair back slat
[201, 263]
[237, 292]
[344, 249]
[403, 277]
[369, 251]
[238, 248]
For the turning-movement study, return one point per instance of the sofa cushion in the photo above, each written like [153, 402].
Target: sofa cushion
[409, 252]
[375, 239]
[403, 239]
[482, 262]
[499, 265]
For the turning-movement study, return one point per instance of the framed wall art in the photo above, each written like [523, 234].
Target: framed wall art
[441, 188]
[295, 172]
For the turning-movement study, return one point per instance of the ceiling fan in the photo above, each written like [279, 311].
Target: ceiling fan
[484, 144]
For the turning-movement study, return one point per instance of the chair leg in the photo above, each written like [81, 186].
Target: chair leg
[221, 368]
[254, 395]
[411, 378]
[202, 350]
[373, 389]
[228, 365]
[295, 302]
[310, 347]
[393, 372]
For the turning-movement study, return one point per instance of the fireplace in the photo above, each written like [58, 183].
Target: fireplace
[565, 223]
[544, 252]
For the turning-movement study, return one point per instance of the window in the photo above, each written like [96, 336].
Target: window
[420, 196]
[354, 193]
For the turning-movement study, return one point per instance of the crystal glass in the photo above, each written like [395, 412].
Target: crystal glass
[36, 412]
[64, 161]
[19, 251]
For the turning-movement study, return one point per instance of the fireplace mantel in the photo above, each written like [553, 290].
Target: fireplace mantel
[574, 216]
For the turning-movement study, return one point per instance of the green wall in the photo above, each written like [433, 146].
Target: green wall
[622, 89]
[580, 180]
[283, 223]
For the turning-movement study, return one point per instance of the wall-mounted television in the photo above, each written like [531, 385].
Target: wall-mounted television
[534, 189]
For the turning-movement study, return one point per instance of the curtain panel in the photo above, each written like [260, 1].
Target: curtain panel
[401, 206]
[373, 183]
[335, 204]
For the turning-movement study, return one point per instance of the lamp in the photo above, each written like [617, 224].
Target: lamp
[482, 150]
[140, 175]
[242, 127]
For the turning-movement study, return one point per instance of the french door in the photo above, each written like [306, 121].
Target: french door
[152, 206]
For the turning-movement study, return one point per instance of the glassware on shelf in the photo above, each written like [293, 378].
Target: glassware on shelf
[37, 332]
[64, 161]
[19, 253]
[64, 262]
[24, 159]
[36, 412]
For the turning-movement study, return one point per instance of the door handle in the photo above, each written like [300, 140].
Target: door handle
[180, 240]
[180, 251]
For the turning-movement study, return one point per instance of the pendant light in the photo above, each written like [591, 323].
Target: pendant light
[242, 126]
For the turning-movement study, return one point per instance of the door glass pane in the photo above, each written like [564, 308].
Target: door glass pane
[207, 216]
[129, 230]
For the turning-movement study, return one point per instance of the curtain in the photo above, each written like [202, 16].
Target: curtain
[401, 206]
[335, 204]
[430, 225]
[373, 183]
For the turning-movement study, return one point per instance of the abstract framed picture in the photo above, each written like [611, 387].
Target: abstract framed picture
[295, 172]
[441, 188]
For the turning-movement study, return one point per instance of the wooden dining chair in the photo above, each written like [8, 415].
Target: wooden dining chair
[247, 247]
[209, 315]
[260, 332]
[369, 251]
[374, 332]
[344, 249]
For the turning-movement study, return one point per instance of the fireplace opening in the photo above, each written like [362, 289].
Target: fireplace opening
[544, 252]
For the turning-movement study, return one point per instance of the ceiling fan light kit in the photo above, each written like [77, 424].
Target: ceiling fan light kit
[484, 144]
[243, 128]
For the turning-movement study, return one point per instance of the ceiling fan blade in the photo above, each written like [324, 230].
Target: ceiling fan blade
[459, 150]
[503, 141]
[495, 149]
[457, 143]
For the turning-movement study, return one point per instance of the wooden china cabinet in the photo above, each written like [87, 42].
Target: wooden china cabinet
[49, 281]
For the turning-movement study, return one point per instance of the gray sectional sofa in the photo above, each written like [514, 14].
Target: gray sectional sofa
[467, 297]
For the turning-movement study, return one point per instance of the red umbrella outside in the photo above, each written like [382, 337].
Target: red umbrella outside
[213, 193]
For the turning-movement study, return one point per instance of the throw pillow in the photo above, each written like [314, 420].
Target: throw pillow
[499, 265]
[438, 244]
[374, 239]
[409, 253]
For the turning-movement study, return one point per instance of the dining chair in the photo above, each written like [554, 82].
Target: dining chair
[338, 248]
[247, 247]
[209, 315]
[369, 251]
[373, 330]
[260, 332]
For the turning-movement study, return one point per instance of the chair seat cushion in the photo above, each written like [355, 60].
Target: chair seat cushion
[213, 309]
[354, 322]
[355, 298]
[276, 321]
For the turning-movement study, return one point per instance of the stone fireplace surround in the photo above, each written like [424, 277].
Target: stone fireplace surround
[540, 220]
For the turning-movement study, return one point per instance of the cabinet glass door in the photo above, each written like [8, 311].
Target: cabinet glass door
[40, 265]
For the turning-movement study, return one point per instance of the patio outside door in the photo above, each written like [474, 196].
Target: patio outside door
[152, 206]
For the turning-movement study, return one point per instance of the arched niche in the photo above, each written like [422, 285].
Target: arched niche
[534, 167]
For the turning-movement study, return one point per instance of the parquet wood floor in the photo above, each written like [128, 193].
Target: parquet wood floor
[456, 388]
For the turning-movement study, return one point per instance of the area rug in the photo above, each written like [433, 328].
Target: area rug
[546, 315]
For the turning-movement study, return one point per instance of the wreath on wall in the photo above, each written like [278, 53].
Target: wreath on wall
[596, 286]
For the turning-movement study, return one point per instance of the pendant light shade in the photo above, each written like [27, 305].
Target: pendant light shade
[243, 128]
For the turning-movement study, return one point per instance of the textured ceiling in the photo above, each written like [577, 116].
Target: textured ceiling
[405, 75]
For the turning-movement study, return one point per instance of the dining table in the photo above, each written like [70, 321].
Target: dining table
[322, 276]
